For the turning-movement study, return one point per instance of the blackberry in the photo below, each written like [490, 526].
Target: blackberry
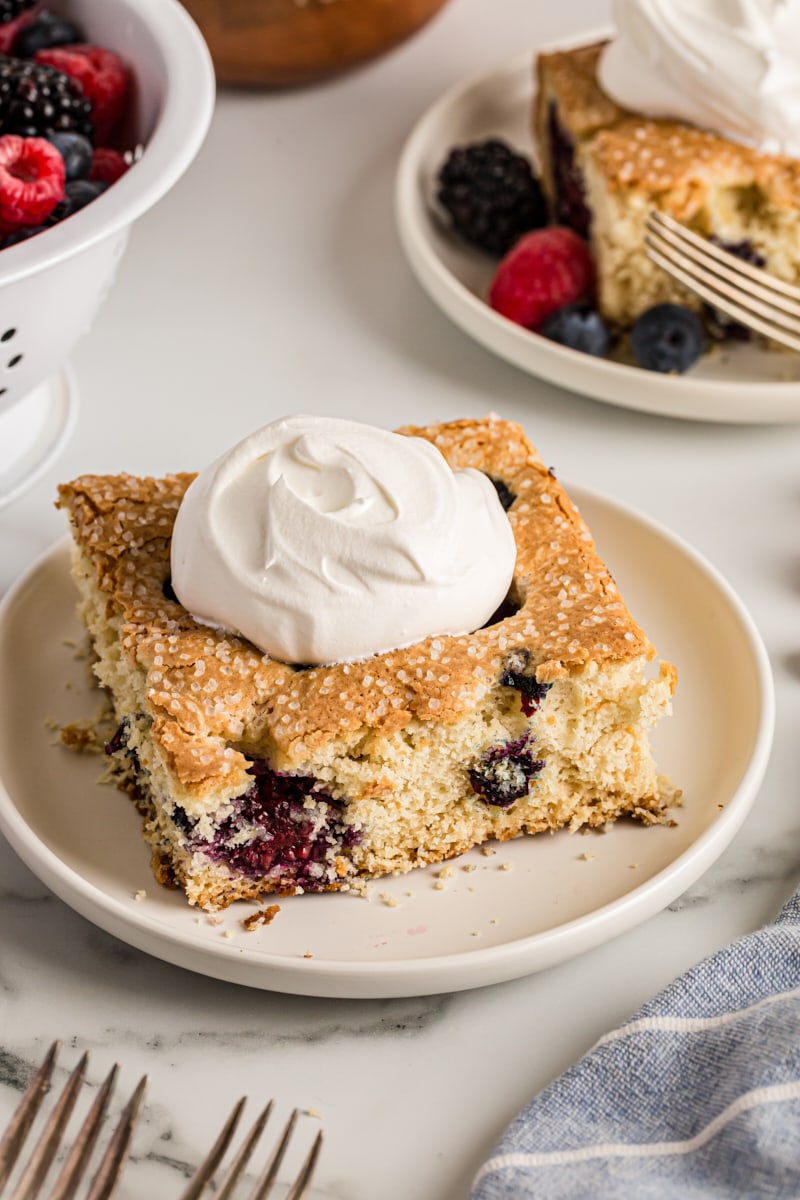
[37, 100]
[11, 9]
[491, 194]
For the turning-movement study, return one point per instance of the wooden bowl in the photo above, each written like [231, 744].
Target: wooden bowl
[282, 42]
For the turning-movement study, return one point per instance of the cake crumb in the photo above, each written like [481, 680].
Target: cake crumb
[262, 916]
[470, 888]
[214, 920]
[314, 1112]
[308, 954]
[446, 872]
[141, 894]
[469, 867]
[389, 900]
[439, 885]
[632, 866]
[488, 851]
[476, 933]
[585, 857]
[506, 866]
[227, 933]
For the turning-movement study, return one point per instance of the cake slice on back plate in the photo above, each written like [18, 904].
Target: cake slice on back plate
[604, 168]
[258, 776]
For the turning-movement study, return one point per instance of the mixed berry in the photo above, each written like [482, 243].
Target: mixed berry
[519, 673]
[491, 194]
[297, 828]
[504, 772]
[63, 111]
[545, 280]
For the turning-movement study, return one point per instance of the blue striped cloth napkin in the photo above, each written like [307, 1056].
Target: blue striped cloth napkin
[697, 1096]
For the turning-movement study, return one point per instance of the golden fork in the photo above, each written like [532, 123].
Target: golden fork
[748, 294]
[76, 1165]
[264, 1186]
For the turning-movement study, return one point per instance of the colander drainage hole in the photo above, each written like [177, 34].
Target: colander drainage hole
[12, 362]
[7, 336]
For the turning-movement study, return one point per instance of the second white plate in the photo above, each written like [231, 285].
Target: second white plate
[535, 902]
[739, 383]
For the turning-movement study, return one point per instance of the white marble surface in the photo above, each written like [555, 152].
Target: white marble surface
[271, 280]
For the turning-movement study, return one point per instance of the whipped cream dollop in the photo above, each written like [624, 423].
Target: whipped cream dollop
[732, 66]
[324, 540]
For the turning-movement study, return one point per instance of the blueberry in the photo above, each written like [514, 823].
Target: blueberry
[77, 195]
[76, 151]
[46, 31]
[667, 338]
[519, 673]
[579, 327]
[21, 235]
[504, 772]
[504, 492]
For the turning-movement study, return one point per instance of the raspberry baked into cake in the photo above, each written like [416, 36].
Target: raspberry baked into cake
[605, 166]
[257, 775]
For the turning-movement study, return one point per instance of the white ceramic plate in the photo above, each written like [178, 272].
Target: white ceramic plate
[741, 383]
[34, 431]
[484, 925]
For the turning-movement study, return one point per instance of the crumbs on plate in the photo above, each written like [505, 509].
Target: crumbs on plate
[262, 916]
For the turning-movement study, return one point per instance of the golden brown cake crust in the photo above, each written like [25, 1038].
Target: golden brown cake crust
[206, 689]
[669, 163]
[569, 77]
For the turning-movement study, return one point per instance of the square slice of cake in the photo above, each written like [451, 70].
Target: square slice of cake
[604, 168]
[259, 777]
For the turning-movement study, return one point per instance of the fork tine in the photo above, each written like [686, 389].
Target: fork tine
[269, 1174]
[46, 1148]
[112, 1162]
[741, 308]
[75, 1165]
[238, 1165]
[727, 278]
[205, 1171]
[225, 1189]
[298, 1188]
[14, 1136]
[697, 276]
[724, 261]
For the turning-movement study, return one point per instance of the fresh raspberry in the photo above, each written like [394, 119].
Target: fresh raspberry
[10, 29]
[31, 180]
[543, 272]
[104, 78]
[107, 165]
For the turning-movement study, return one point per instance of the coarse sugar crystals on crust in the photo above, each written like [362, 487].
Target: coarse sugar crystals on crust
[604, 168]
[257, 776]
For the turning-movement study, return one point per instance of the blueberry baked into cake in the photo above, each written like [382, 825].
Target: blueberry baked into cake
[604, 167]
[258, 776]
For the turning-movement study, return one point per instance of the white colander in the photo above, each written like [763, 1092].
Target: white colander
[52, 285]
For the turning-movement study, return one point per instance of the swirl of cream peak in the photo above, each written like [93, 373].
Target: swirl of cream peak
[732, 66]
[323, 540]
